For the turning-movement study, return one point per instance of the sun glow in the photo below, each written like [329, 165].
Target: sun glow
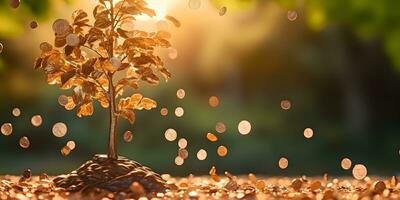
[159, 6]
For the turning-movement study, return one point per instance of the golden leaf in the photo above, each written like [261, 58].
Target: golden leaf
[147, 104]
[103, 20]
[70, 105]
[176, 22]
[102, 99]
[85, 110]
[67, 76]
[128, 114]
[87, 67]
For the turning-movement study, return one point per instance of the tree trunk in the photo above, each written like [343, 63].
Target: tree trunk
[112, 137]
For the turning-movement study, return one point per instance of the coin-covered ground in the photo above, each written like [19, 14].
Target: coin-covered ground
[214, 187]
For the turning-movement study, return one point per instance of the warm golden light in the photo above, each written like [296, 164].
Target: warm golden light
[159, 6]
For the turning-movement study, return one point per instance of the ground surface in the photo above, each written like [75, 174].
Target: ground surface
[215, 187]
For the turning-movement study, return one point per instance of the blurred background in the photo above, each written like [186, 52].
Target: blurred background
[338, 63]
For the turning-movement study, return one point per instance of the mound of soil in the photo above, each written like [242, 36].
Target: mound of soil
[113, 175]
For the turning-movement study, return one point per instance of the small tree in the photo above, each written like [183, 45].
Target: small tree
[99, 61]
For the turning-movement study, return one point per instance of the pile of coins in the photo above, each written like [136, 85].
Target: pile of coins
[213, 187]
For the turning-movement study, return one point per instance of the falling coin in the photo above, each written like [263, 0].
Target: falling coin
[182, 143]
[194, 4]
[220, 127]
[36, 120]
[60, 129]
[359, 171]
[46, 47]
[71, 145]
[283, 163]
[1, 47]
[65, 151]
[164, 111]
[63, 100]
[33, 24]
[14, 3]
[292, 15]
[179, 111]
[222, 151]
[116, 62]
[16, 112]
[60, 26]
[73, 40]
[346, 163]
[244, 127]
[213, 101]
[172, 53]
[222, 11]
[128, 136]
[202, 154]
[180, 93]
[211, 137]
[285, 104]
[170, 134]
[24, 142]
[6, 129]
[183, 153]
[308, 133]
[179, 161]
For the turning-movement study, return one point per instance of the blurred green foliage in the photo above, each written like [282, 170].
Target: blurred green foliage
[369, 19]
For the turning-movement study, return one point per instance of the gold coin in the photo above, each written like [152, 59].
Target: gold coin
[222, 11]
[182, 143]
[292, 15]
[346, 163]
[283, 163]
[59, 129]
[46, 47]
[72, 40]
[36, 120]
[213, 101]
[308, 133]
[179, 161]
[60, 26]
[1, 47]
[179, 111]
[63, 100]
[211, 137]
[71, 145]
[24, 142]
[172, 53]
[183, 153]
[128, 136]
[359, 171]
[286, 105]
[202, 154]
[222, 151]
[16, 112]
[65, 151]
[33, 24]
[244, 127]
[6, 129]
[180, 93]
[194, 4]
[15, 3]
[170, 134]
[220, 127]
[164, 111]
